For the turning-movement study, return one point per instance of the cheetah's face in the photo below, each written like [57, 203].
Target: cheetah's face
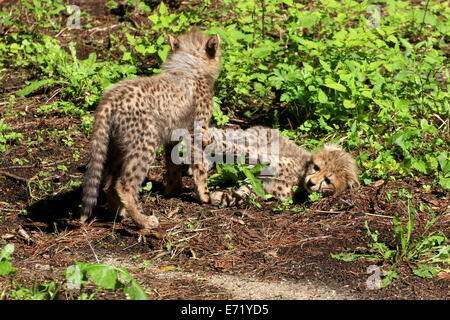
[331, 171]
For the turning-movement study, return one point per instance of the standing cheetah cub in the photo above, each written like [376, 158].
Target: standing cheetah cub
[330, 170]
[136, 116]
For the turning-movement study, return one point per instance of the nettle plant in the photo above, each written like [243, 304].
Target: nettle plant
[425, 253]
[81, 82]
[373, 76]
[332, 71]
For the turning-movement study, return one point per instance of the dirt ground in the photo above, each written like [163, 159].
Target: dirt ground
[204, 252]
[200, 251]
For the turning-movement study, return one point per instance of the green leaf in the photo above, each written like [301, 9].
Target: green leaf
[6, 252]
[444, 162]
[349, 104]
[322, 96]
[307, 20]
[256, 183]
[388, 276]
[347, 257]
[102, 275]
[425, 271]
[443, 255]
[148, 186]
[325, 65]
[419, 165]
[444, 182]
[334, 85]
[74, 277]
[135, 291]
[164, 51]
[34, 86]
[163, 11]
[6, 268]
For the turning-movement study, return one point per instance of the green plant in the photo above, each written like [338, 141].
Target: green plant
[234, 175]
[45, 11]
[106, 277]
[44, 291]
[7, 135]
[6, 267]
[81, 81]
[148, 187]
[420, 253]
[15, 291]
[315, 196]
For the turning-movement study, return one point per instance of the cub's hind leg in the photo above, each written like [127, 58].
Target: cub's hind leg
[133, 173]
[113, 201]
[172, 178]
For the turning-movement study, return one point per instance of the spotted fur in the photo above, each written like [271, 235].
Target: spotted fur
[136, 116]
[329, 170]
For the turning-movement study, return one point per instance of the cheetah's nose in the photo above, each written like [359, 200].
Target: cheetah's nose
[310, 184]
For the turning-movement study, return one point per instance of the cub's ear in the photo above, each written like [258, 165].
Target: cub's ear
[332, 147]
[174, 42]
[212, 46]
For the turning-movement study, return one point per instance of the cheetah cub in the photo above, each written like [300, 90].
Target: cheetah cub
[330, 170]
[136, 116]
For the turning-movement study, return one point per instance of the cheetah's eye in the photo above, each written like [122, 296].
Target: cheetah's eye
[316, 167]
[326, 180]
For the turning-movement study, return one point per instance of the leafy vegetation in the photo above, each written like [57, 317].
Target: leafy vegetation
[5, 256]
[422, 253]
[372, 75]
[104, 276]
[232, 176]
[379, 80]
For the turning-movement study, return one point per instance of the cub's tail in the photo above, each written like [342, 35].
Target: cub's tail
[98, 154]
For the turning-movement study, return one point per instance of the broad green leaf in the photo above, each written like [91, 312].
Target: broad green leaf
[307, 20]
[325, 65]
[163, 53]
[444, 162]
[102, 275]
[334, 85]
[163, 11]
[419, 165]
[135, 291]
[321, 96]
[444, 182]
[74, 277]
[349, 104]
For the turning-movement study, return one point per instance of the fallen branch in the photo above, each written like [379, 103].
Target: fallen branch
[10, 175]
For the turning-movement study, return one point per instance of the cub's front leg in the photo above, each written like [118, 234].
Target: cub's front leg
[199, 172]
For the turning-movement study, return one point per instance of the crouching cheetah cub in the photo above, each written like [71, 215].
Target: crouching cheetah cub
[330, 170]
[136, 116]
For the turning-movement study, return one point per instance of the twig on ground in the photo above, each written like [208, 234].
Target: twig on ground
[10, 175]
[377, 215]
